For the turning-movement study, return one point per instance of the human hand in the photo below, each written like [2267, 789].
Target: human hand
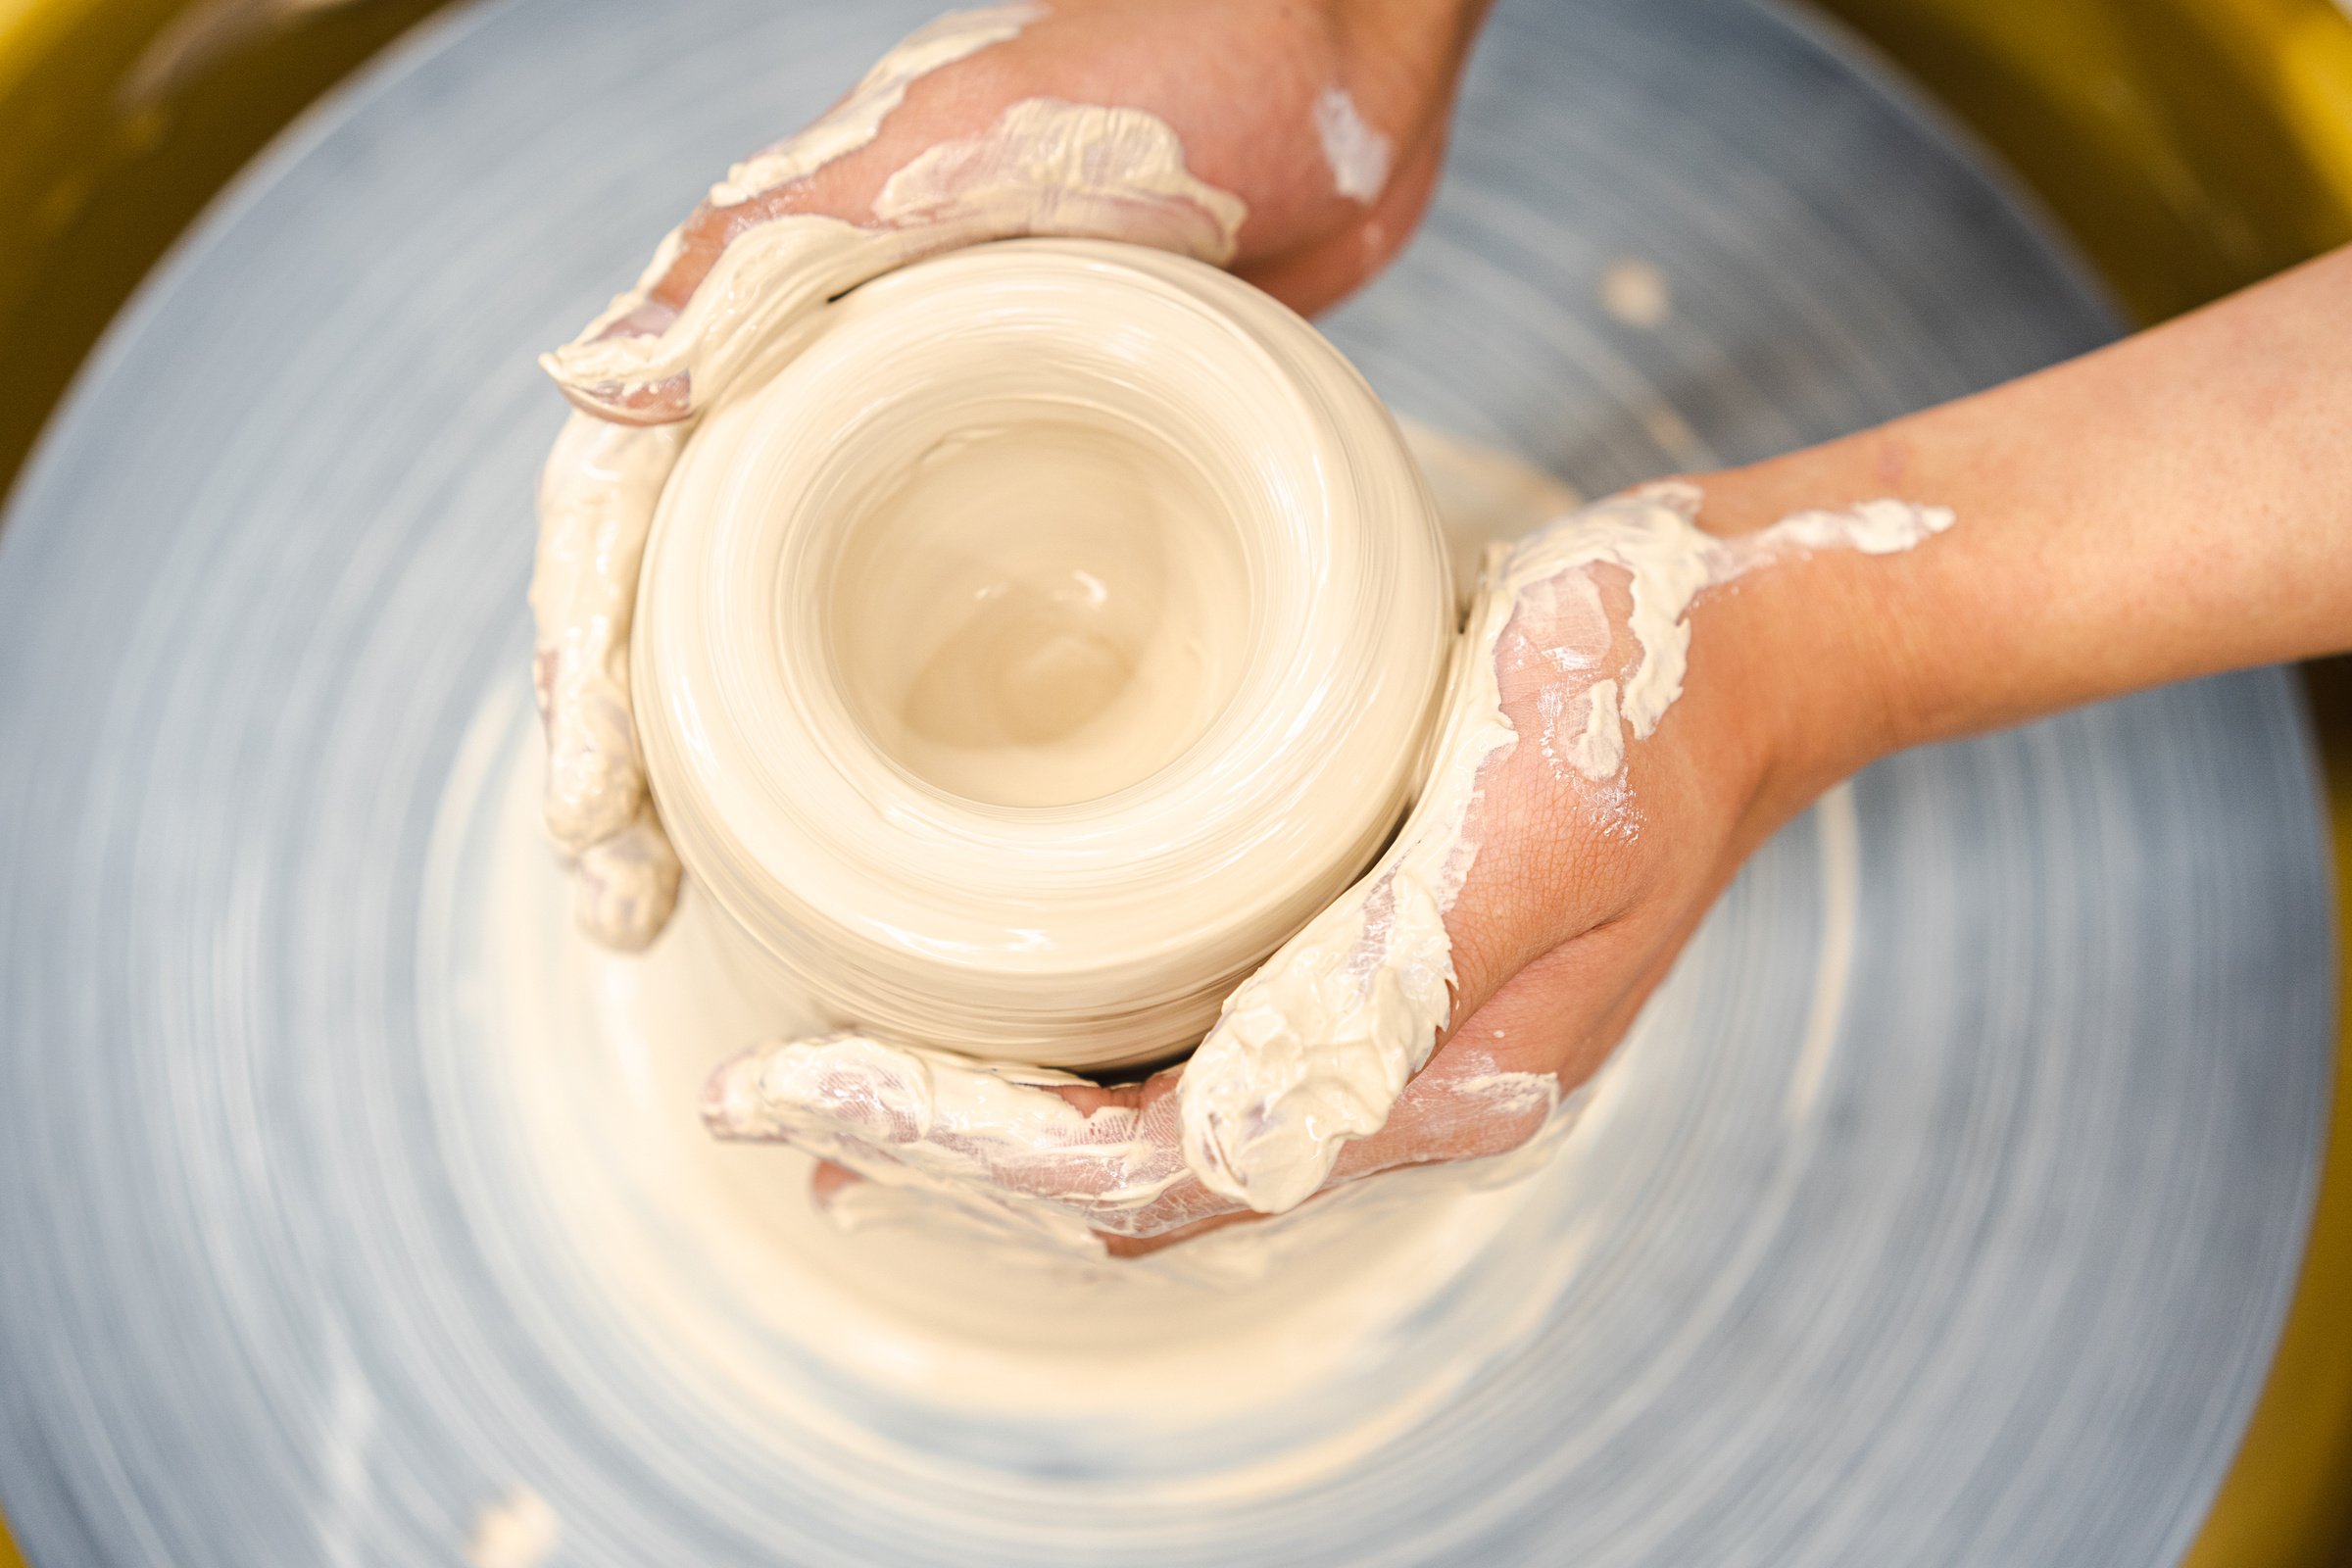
[1297, 144]
[1568, 840]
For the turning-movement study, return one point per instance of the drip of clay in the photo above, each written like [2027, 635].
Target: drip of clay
[1050, 638]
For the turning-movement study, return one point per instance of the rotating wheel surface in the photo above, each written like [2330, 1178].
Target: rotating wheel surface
[1949, 1215]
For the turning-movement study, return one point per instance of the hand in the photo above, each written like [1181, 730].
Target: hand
[1571, 835]
[1295, 143]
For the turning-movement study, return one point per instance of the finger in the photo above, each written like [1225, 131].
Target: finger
[624, 888]
[1492, 1087]
[596, 504]
[1062, 1159]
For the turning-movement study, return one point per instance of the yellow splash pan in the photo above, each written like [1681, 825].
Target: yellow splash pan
[2188, 146]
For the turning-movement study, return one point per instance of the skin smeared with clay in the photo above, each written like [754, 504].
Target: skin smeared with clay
[1320, 1050]
[1054, 167]
[980, 1133]
[1046, 167]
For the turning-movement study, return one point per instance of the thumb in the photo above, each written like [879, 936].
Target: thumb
[1314, 1049]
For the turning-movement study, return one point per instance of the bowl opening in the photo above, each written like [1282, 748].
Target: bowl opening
[1048, 605]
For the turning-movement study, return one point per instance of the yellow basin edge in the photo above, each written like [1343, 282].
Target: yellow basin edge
[2188, 146]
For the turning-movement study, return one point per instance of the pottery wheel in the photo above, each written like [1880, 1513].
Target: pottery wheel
[1950, 1217]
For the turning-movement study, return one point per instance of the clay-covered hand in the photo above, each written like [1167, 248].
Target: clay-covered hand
[1297, 144]
[1618, 738]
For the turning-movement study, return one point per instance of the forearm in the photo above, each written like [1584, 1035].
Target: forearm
[2177, 504]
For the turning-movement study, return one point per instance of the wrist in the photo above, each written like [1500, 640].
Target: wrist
[1813, 649]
